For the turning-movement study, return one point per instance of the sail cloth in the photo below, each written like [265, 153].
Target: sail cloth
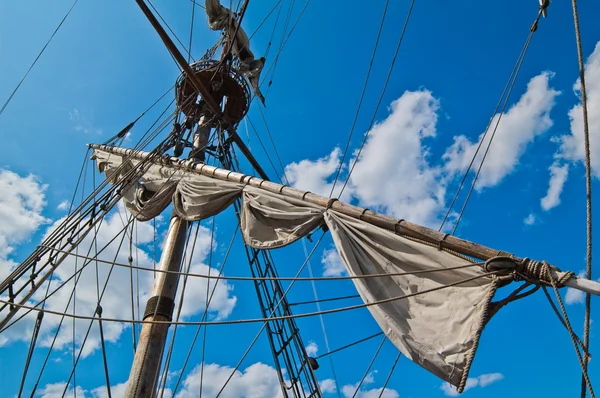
[434, 313]
[149, 189]
[438, 330]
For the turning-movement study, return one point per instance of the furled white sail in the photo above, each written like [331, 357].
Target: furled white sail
[434, 312]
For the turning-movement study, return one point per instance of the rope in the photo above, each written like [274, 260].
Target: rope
[205, 314]
[369, 367]
[349, 345]
[99, 312]
[362, 96]
[273, 143]
[265, 149]
[514, 76]
[212, 235]
[269, 319]
[179, 308]
[317, 302]
[291, 278]
[385, 84]
[588, 189]
[387, 380]
[34, 336]
[37, 58]
[264, 20]
[571, 332]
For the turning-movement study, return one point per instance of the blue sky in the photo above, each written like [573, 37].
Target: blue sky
[106, 65]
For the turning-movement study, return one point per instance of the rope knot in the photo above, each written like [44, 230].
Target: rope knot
[540, 272]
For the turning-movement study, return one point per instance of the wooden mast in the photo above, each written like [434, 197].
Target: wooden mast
[148, 355]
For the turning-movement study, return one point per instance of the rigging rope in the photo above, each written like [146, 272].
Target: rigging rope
[369, 367]
[349, 345]
[205, 314]
[37, 58]
[387, 380]
[385, 84]
[322, 321]
[588, 189]
[268, 319]
[362, 96]
[532, 30]
[289, 278]
[506, 87]
[34, 336]
[570, 329]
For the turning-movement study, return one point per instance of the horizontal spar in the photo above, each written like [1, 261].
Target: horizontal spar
[398, 226]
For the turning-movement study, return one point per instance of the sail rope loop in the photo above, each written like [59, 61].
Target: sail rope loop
[546, 269]
[531, 271]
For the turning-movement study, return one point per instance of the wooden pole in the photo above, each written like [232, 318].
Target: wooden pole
[143, 378]
[400, 227]
[197, 84]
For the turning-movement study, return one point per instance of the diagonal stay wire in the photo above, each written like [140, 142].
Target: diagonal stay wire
[362, 96]
[387, 380]
[516, 74]
[273, 143]
[212, 235]
[269, 319]
[204, 315]
[369, 367]
[318, 305]
[271, 314]
[288, 278]
[179, 309]
[37, 58]
[387, 80]
[506, 87]
[588, 189]
[349, 345]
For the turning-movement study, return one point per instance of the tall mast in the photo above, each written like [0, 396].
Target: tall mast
[148, 355]
[294, 368]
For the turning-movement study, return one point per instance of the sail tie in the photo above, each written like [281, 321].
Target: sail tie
[532, 271]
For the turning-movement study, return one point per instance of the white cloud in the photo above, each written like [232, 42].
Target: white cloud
[487, 379]
[55, 390]
[395, 174]
[572, 146]
[558, 177]
[519, 126]
[530, 219]
[256, 381]
[64, 205]
[350, 390]
[81, 123]
[482, 381]
[115, 391]
[115, 302]
[311, 349]
[332, 263]
[317, 176]
[21, 205]
[328, 386]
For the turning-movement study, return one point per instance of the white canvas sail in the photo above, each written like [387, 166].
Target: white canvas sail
[435, 311]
